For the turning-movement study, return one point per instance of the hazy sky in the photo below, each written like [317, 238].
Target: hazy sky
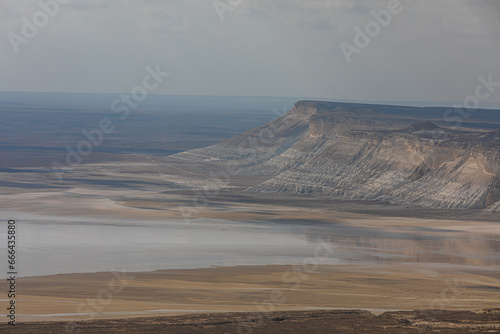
[431, 50]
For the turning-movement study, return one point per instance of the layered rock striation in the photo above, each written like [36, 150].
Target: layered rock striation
[367, 152]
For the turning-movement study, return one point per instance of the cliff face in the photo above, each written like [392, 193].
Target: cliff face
[369, 153]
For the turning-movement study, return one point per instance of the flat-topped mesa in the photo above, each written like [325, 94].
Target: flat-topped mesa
[318, 106]
[369, 152]
[327, 119]
[324, 107]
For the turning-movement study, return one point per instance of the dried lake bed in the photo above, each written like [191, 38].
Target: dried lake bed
[230, 256]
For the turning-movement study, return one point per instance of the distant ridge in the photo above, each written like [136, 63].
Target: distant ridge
[495, 135]
[423, 126]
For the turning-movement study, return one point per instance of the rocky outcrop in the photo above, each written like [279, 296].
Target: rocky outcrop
[367, 152]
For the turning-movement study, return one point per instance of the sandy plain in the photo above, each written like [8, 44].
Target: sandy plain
[402, 279]
[255, 289]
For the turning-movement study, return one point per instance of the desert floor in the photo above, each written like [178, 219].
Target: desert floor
[414, 275]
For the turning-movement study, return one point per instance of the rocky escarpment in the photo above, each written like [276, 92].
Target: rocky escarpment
[367, 152]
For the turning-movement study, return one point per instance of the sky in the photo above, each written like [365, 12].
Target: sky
[429, 50]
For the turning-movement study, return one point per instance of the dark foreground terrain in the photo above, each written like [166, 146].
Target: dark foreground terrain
[338, 321]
